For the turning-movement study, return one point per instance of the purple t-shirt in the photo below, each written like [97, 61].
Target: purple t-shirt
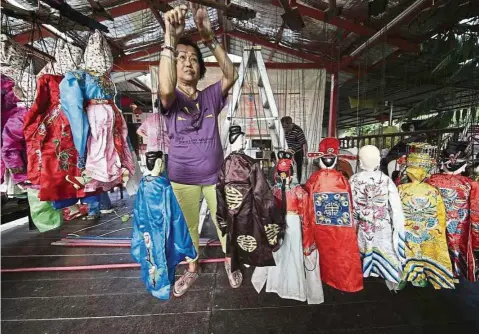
[195, 154]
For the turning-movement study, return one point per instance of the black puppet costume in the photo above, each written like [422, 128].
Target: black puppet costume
[247, 212]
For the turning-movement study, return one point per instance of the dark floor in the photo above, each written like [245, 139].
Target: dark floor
[115, 301]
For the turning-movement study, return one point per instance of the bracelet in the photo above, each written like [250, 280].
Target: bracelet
[211, 44]
[167, 47]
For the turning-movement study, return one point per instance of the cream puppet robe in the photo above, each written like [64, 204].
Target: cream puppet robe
[379, 217]
[295, 276]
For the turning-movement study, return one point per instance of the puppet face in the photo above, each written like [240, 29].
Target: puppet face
[159, 167]
[155, 162]
[369, 157]
[284, 168]
[328, 162]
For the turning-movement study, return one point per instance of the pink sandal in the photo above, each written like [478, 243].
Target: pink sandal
[184, 283]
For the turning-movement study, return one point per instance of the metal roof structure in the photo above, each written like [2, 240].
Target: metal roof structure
[377, 54]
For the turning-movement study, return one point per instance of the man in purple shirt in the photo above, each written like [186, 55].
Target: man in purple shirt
[196, 152]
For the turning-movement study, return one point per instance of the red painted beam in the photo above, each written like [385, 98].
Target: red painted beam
[351, 26]
[260, 41]
[26, 37]
[144, 66]
[126, 9]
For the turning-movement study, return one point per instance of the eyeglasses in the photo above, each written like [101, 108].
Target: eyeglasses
[183, 56]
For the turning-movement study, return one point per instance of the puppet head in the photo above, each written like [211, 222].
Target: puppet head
[98, 57]
[369, 158]
[454, 157]
[13, 58]
[236, 138]
[155, 162]
[416, 174]
[329, 150]
[284, 167]
[68, 57]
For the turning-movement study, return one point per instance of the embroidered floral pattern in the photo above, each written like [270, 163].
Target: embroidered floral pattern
[98, 57]
[427, 256]
[63, 156]
[372, 198]
[153, 269]
[332, 209]
[421, 216]
[456, 191]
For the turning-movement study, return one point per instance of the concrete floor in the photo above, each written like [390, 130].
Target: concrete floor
[115, 301]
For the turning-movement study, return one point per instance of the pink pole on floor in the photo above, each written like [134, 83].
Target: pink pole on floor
[82, 244]
[86, 243]
[93, 267]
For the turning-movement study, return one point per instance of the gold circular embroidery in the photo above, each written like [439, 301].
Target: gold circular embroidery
[272, 231]
[234, 198]
[247, 243]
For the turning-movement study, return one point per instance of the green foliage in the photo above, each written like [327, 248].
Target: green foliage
[458, 52]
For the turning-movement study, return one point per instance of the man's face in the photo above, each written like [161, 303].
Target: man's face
[187, 66]
[287, 127]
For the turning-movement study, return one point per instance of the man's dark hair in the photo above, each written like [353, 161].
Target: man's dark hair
[286, 120]
[201, 62]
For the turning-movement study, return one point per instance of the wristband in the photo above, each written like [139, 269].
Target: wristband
[167, 47]
[211, 44]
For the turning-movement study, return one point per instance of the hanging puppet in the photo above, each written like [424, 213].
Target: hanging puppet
[154, 132]
[427, 257]
[460, 198]
[247, 211]
[9, 108]
[161, 239]
[13, 140]
[378, 214]
[52, 157]
[14, 61]
[329, 222]
[100, 132]
[293, 277]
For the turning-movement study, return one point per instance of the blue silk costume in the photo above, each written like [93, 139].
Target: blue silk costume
[77, 88]
[161, 239]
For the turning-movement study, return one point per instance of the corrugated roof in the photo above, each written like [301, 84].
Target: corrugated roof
[135, 28]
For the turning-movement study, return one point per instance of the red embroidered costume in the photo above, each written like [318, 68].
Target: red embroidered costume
[329, 225]
[460, 198]
[50, 150]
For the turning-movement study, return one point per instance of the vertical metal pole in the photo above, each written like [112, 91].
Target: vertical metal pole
[333, 104]
[391, 114]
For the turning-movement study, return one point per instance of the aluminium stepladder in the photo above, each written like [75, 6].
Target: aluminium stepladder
[252, 60]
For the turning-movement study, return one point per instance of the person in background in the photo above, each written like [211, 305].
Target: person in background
[296, 141]
[105, 203]
[196, 152]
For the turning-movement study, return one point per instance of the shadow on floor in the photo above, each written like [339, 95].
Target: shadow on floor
[115, 301]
